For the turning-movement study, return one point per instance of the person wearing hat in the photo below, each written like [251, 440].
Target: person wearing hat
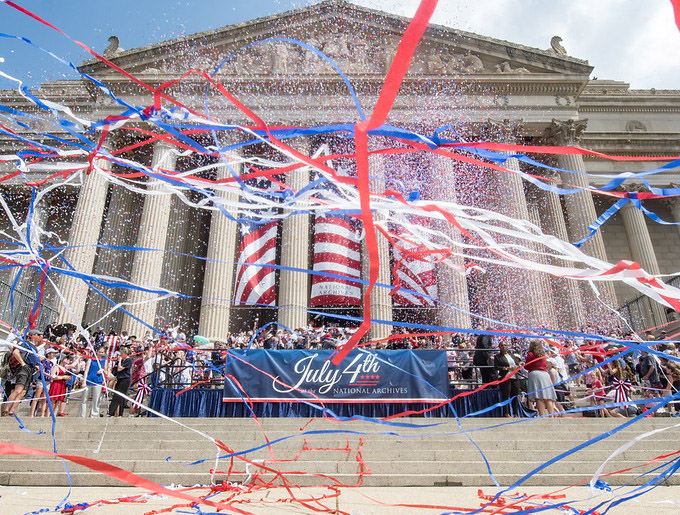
[39, 397]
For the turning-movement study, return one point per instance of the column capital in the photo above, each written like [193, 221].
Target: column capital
[632, 188]
[672, 203]
[565, 132]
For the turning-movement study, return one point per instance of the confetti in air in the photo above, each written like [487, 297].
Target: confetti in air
[217, 205]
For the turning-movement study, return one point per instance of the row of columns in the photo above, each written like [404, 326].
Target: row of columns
[215, 312]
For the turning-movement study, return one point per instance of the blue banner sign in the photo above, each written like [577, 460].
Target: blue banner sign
[364, 375]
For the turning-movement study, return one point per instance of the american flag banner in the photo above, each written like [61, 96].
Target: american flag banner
[337, 250]
[257, 284]
[413, 274]
[112, 344]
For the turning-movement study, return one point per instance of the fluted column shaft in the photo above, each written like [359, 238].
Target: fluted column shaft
[119, 229]
[566, 290]
[84, 234]
[153, 228]
[547, 312]
[454, 310]
[580, 206]
[642, 252]
[581, 213]
[294, 286]
[218, 281]
[527, 297]
[381, 302]
[174, 261]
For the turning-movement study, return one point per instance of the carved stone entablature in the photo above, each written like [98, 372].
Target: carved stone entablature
[636, 126]
[563, 100]
[567, 132]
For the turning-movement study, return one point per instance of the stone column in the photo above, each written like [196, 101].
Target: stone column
[546, 308]
[580, 206]
[120, 228]
[381, 302]
[451, 284]
[175, 262]
[642, 252]
[294, 286]
[153, 228]
[84, 234]
[218, 282]
[569, 304]
[523, 286]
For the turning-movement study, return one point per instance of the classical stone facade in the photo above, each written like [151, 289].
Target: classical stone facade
[480, 86]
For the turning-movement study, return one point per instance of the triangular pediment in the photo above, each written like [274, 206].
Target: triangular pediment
[361, 41]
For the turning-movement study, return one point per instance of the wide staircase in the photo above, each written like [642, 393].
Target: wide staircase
[438, 452]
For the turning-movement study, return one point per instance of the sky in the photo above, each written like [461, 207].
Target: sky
[635, 41]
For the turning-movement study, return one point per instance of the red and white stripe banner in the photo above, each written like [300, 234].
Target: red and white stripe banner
[337, 250]
[415, 275]
[256, 284]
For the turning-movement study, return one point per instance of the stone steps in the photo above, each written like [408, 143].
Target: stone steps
[434, 453]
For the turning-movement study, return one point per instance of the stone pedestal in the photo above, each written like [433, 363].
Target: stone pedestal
[218, 282]
[153, 228]
[84, 234]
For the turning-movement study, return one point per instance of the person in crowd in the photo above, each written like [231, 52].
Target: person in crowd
[483, 358]
[122, 371]
[39, 394]
[22, 365]
[505, 365]
[136, 377]
[560, 378]
[60, 375]
[540, 386]
[649, 371]
[95, 377]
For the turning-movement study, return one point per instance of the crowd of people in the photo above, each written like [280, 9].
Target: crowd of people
[544, 373]
[532, 373]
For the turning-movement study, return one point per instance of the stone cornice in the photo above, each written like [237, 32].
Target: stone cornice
[517, 85]
[633, 144]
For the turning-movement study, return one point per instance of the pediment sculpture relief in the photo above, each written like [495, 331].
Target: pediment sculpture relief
[506, 68]
[447, 61]
[351, 54]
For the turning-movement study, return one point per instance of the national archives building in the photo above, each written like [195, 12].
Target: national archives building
[481, 88]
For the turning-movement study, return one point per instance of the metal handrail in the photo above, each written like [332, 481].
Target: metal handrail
[19, 304]
[639, 309]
